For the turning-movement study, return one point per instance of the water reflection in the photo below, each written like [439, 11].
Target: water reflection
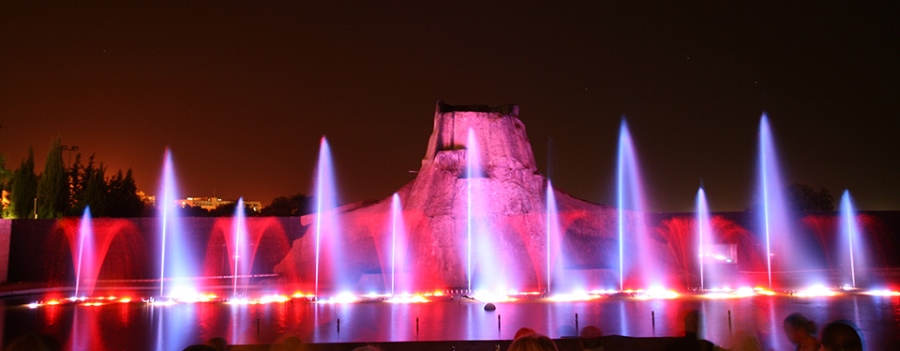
[124, 326]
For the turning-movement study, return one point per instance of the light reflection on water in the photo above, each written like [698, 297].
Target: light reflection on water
[142, 326]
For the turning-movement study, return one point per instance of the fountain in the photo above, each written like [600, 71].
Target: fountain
[704, 232]
[555, 257]
[398, 247]
[631, 220]
[485, 271]
[241, 261]
[781, 237]
[175, 264]
[328, 234]
[85, 237]
[849, 240]
[91, 244]
[478, 219]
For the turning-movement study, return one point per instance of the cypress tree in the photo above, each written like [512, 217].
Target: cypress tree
[53, 187]
[96, 190]
[5, 179]
[24, 188]
[123, 200]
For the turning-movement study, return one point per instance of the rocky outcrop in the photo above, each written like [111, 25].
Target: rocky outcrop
[511, 214]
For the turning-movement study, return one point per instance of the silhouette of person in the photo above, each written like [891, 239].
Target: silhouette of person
[34, 342]
[590, 338]
[524, 331]
[842, 335]
[534, 342]
[690, 340]
[218, 343]
[801, 332]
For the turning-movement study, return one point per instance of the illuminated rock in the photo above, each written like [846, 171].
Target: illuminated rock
[435, 212]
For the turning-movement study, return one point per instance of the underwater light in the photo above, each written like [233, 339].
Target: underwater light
[574, 296]
[816, 291]
[882, 292]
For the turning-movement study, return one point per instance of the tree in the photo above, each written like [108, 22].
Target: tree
[24, 188]
[76, 177]
[283, 206]
[5, 186]
[123, 200]
[96, 190]
[53, 186]
[804, 199]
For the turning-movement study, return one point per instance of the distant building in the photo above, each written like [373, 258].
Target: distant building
[147, 200]
[4, 200]
[212, 203]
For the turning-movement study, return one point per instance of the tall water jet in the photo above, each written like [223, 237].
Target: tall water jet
[398, 248]
[555, 262]
[704, 233]
[240, 257]
[175, 261]
[485, 272]
[630, 220]
[327, 230]
[850, 233]
[471, 164]
[85, 248]
[774, 213]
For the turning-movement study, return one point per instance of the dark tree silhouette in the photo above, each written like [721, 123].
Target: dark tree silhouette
[283, 206]
[24, 188]
[804, 198]
[122, 199]
[53, 186]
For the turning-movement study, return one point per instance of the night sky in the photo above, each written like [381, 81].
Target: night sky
[242, 93]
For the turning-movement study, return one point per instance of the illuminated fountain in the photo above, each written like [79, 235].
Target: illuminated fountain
[109, 246]
[850, 239]
[481, 217]
[638, 265]
[478, 219]
[556, 263]
[328, 236]
[85, 248]
[485, 271]
[176, 266]
[704, 232]
[240, 258]
[399, 264]
[783, 249]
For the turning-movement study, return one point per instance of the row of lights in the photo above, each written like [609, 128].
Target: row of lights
[481, 296]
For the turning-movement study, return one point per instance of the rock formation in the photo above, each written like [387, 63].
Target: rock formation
[511, 216]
